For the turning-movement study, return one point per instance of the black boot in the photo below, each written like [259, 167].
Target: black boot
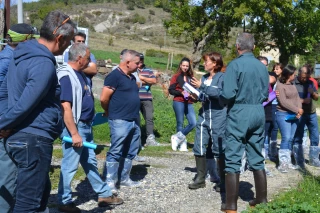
[260, 182]
[200, 180]
[232, 191]
[221, 186]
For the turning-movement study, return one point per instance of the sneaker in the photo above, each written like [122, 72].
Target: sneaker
[174, 142]
[283, 168]
[151, 141]
[294, 167]
[139, 159]
[112, 200]
[130, 183]
[268, 173]
[70, 207]
[183, 146]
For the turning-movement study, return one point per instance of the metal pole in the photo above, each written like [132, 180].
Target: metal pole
[20, 11]
[6, 17]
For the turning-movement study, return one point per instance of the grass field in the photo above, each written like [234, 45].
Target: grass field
[151, 62]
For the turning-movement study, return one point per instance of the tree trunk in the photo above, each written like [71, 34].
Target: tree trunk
[284, 58]
[198, 50]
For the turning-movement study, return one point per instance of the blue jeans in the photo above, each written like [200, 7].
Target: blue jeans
[275, 128]
[311, 121]
[32, 156]
[184, 109]
[125, 140]
[8, 177]
[287, 130]
[70, 161]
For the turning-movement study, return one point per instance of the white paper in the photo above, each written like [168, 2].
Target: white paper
[190, 89]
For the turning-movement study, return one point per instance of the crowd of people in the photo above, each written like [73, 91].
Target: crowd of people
[242, 109]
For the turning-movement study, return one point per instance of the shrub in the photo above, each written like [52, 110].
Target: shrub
[130, 5]
[110, 41]
[151, 12]
[156, 53]
[97, 13]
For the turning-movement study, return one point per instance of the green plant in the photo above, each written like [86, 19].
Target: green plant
[156, 53]
[97, 13]
[110, 41]
[151, 12]
[130, 5]
[303, 199]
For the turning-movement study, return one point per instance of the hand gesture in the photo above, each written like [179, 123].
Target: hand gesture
[195, 82]
[300, 112]
[194, 96]
[4, 133]
[76, 140]
[307, 100]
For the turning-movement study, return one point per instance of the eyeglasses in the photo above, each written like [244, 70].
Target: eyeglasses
[80, 41]
[65, 21]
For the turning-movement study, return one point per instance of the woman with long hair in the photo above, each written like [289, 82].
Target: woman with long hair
[211, 120]
[289, 110]
[182, 104]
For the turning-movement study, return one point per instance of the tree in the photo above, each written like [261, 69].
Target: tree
[292, 26]
[201, 23]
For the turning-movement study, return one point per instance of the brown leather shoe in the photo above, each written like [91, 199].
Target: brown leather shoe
[112, 200]
[70, 208]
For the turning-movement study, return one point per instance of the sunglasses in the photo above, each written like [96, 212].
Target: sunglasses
[65, 21]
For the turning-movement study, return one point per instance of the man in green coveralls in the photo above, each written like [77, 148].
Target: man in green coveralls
[245, 89]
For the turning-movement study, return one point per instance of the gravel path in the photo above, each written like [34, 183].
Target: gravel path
[164, 188]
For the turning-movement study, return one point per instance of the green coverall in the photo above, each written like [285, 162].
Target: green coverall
[245, 89]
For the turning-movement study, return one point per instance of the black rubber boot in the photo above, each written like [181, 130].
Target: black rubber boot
[221, 186]
[232, 191]
[200, 180]
[260, 182]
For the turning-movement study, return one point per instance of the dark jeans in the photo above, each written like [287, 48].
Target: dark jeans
[32, 156]
[275, 128]
[146, 108]
[311, 121]
[8, 176]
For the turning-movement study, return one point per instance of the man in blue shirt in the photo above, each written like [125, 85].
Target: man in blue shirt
[78, 112]
[29, 98]
[17, 33]
[307, 93]
[121, 103]
[91, 70]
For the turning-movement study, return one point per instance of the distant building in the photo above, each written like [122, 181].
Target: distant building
[272, 55]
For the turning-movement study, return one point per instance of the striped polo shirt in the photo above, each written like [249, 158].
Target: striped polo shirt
[145, 89]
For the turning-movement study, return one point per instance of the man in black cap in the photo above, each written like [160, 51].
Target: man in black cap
[16, 34]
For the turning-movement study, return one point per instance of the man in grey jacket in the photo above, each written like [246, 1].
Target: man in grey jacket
[78, 112]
